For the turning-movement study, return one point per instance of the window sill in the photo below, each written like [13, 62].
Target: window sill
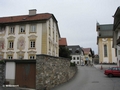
[32, 32]
[22, 33]
[10, 49]
[32, 48]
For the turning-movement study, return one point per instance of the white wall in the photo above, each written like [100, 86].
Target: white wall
[10, 70]
[76, 59]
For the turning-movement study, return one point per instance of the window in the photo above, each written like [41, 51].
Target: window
[49, 45]
[77, 48]
[32, 43]
[105, 50]
[119, 69]
[33, 28]
[86, 58]
[2, 30]
[115, 52]
[22, 29]
[49, 31]
[119, 52]
[12, 30]
[10, 57]
[73, 58]
[11, 44]
[114, 68]
[1, 44]
[1, 57]
[32, 57]
[77, 51]
[77, 58]
[70, 48]
[56, 37]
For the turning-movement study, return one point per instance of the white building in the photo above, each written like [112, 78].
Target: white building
[77, 54]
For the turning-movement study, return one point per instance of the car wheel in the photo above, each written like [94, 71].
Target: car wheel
[110, 75]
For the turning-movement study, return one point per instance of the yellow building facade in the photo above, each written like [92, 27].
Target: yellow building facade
[25, 36]
[106, 53]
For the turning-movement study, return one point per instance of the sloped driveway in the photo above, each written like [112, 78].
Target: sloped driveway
[90, 78]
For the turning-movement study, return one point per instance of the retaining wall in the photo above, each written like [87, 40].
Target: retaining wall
[52, 71]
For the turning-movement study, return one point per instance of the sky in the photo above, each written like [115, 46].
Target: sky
[76, 18]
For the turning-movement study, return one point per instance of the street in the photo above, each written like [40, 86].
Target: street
[90, 78]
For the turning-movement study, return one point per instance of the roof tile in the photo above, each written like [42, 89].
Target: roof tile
[63, 41]
[12, 19]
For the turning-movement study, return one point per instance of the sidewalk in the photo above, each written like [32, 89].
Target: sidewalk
[103, 67]
[14, 88]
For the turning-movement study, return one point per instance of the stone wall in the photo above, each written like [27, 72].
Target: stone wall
[2, 73]
[52, 71]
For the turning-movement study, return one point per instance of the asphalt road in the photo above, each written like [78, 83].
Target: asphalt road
[90, 78]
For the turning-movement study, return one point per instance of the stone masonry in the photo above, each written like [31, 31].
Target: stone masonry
[2, 73]
[52, 71]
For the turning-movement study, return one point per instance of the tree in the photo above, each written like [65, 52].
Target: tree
[64, 52]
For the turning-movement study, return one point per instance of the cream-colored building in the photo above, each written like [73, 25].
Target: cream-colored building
[25, 36]
[106, 53]
[88, 56]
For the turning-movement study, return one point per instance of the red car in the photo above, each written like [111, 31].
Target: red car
[113, 71]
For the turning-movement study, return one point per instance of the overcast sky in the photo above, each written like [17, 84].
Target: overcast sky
[76, 18]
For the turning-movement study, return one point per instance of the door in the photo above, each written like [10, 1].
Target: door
[25, 75]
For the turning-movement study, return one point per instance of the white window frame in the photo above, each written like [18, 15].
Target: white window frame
[12, 30]
[11, 44]
[33, 28]
[32, 43]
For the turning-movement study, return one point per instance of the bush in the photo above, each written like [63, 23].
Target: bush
[72, 64]
[2, 62]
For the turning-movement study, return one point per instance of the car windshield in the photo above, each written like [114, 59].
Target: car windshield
[109, 68]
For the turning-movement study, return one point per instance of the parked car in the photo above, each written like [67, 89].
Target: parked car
[113, 71]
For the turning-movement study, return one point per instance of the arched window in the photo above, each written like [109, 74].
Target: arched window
[105, 50]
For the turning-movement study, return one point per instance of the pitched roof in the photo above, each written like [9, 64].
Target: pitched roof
[86, 50]
[117, 12]
[106, 27]
[105, 30]
[63, 42]
[25, 18]
[75, 48]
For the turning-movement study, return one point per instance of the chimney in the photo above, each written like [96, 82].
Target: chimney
[32, 12]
